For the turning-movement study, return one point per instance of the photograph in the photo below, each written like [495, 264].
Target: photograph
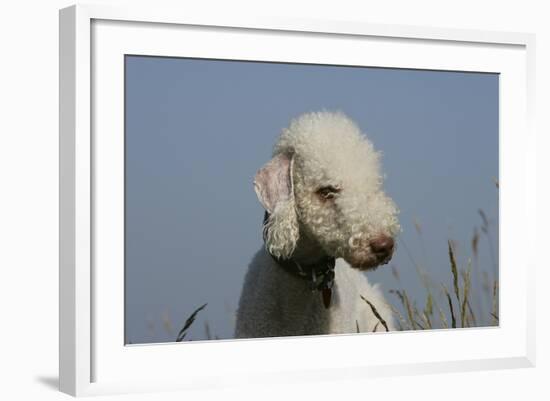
[275, 199]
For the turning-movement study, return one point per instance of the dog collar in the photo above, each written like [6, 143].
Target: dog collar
[320, 275]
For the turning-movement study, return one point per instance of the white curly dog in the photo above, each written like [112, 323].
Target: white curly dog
[327, 219]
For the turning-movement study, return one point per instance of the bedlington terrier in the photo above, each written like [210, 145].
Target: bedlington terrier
[327, 219]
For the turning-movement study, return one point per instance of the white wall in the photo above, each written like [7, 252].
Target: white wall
[29, 184]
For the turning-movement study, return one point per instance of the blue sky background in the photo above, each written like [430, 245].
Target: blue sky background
[197, 131]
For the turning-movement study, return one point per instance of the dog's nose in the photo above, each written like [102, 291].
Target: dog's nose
[382, 246]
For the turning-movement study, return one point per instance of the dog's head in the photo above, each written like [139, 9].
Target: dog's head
[324, 182]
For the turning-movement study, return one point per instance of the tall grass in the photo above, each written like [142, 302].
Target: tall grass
[468, 299]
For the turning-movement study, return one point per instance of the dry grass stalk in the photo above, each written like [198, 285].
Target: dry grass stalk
[454, 270]
[183, 332]
[409, 310]
[442, 318]
[399, 294]
[475, 243]
[465, 294]
[427, 320]
[453, 319]
[472, 315]
[403, 325]
[375, 312]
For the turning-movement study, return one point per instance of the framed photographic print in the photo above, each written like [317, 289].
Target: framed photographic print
[272, 199]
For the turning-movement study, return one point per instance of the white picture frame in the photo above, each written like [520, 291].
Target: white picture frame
[93, 358]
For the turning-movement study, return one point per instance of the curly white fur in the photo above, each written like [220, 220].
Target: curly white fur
[282, 231]
[323, 191]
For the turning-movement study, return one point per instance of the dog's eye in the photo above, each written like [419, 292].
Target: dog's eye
[328, 192]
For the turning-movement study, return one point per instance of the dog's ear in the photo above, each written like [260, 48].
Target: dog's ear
[273, 184]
